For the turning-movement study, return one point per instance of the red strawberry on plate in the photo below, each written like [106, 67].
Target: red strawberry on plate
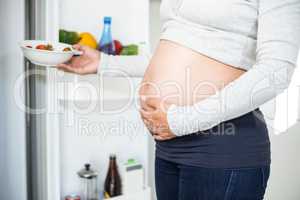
[118, 46]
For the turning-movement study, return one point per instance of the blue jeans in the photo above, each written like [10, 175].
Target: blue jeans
[180, 182]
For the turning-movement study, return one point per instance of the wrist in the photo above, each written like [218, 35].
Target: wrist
[185, 120]
[174, 120]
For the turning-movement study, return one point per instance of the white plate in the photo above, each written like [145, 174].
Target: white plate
[44, 57]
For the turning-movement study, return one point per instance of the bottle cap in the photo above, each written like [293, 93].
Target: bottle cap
[107, 20]
[112, 156]
[131, 161]
[87, 172]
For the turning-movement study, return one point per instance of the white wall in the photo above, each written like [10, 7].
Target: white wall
[285, 173]
[12, 121]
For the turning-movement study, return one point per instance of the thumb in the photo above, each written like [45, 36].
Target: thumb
[153, 102]
[77, 46]
[81, 47]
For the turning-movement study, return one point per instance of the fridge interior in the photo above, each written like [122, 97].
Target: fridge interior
[91, 116]
[67, 146]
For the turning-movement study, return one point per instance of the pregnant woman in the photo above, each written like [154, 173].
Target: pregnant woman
[216, 63]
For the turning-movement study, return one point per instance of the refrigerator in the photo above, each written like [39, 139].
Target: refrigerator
[42, 150]
[45, 137]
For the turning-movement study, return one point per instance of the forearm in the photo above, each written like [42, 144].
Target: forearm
[120, 66]
[278, 45]
[259, 85]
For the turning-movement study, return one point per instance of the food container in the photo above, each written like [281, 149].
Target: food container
[47, 58]
[73, 197]
[89, 183]
[133, 177]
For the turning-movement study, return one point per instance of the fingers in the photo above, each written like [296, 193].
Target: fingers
[157, 137]
[155, 119]
[145, 114]
[64, 67]
[154, 126]
[78, 47]
[153, 103]
[144, 105]
[150, 126]
[159, 131]
[68, 68]
[150, 117]
[163, 137]
[82, 48]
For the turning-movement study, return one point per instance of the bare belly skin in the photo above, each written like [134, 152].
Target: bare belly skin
[181, 76]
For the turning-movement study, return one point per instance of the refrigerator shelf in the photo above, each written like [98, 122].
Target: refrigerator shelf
[142, 195]
[93, 89]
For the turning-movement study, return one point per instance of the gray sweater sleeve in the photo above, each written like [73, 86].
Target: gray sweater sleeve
[278, 41]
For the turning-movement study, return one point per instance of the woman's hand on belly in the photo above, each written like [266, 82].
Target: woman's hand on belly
[154, 115]
[177, 75]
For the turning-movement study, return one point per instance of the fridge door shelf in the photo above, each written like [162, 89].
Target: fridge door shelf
[92, 89]
[142, 195]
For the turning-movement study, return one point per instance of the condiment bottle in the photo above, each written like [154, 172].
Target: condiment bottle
[113, 184]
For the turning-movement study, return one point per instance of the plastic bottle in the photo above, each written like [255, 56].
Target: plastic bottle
[106, 44]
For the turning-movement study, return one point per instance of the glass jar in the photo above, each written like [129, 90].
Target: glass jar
[89, 182]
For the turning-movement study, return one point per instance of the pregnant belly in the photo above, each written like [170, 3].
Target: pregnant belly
[181, 76]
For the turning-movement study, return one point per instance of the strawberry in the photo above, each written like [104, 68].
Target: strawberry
[118, 46]
[41, 47]
[48, 47]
